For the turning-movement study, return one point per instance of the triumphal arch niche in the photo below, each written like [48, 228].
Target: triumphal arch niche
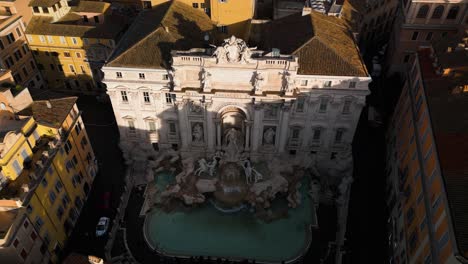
[245, 94]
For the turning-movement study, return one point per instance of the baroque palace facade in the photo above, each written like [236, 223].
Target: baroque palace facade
[299, 90]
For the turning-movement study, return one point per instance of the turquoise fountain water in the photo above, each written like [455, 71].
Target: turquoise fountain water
[205, 231]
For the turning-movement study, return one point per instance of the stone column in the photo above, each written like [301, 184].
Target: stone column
[247, 135]
[257, 127]
[284, 126]
[210, 128]
[218, 133]
[183, 129]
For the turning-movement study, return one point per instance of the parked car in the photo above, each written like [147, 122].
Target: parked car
[104, 202]
[102, 226]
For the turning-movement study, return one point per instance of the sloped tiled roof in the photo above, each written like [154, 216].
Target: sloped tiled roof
[53, 116]
[91, 7]
[323, 43]
[71, 24]
[156, 32]
[43, 3]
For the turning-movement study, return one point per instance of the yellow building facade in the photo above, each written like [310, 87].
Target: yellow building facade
[70, 44]
[47, 169]
[231, 17]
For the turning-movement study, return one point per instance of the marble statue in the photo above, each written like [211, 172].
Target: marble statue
[233, 136]
[207, 167]
[233, 50]
[195, 108]
[251, 174]
[342, 165]
[289, 84]
[174, 78]
[269, 136]
[258, 82]
[197, 133]
[206, 79]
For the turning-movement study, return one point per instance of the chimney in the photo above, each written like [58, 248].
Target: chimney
[49, 105]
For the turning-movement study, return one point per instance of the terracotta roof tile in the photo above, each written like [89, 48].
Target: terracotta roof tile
[53, 116]
[44, 3]
[156, 32]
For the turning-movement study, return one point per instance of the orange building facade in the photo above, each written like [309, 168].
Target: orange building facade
[426, 223]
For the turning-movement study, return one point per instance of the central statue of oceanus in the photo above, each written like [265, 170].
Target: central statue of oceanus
[233, 50]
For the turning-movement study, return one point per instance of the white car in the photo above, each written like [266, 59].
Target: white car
[102, 226]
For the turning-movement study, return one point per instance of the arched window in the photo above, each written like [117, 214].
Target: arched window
[423, 10]
[438, 11]
[453, 12]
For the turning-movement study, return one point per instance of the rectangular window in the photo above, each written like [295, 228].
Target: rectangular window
[78, 127]
[60, 212]
[42, 39]
[295, 133]
[118, 74]
[24, 254]
[50, 39]
[25, 49]
[339, 135]
[36, 9]
[168, 98]
[195, 5]
[18, 55]
[72, 68]
[96, 19]
[62, 40]
[16, 243]
[82, 69]
[300, 104]
[131, 126]
[202, 5]
[10, 38]
[33, 236]
[44, 182]
[146, 97]
[141, 76]
[304, 82]
[415, 35]
[58, 186]
[327, 84]
[45, 10]
[323, 105]
[52, 67]
[443, 240]
[165, 77]
[151, 126]
[33, 66]
[78, 54]
[17, 167]
[66, 54]
[352, 84]
[26, 224]
[1, 45]
[316, 135]
[68, 146]
[346, 107]
[223, 29]
[172, 128]
[24, 154]
[52, 196]
[74, 41]
[18, 32]
[124, 96]
[429, 36]
[38, 222]
[84, 142]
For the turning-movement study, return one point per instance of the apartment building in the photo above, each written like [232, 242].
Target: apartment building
[47, 167]
[71, 43]
[426, 160]
[423, 22]
[231, 17]
[15, 54]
